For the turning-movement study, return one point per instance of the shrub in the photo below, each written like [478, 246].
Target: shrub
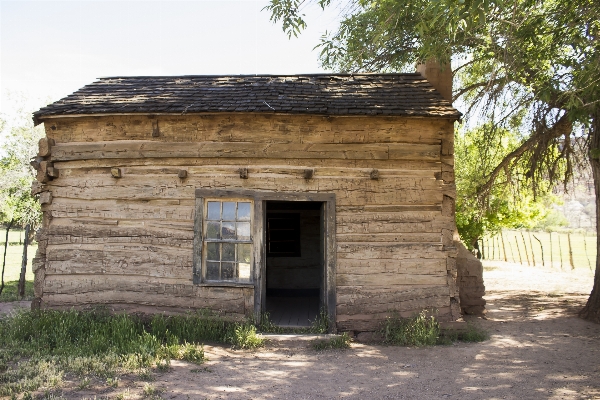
[244, 336]
[418, 330]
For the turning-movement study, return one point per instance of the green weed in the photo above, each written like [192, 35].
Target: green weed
[338, 342]
[244, 336]
[473, 334]
[192, 353]
[113, 382]
[84, 384]
[11, 292]
[151, 392]
[418, 330]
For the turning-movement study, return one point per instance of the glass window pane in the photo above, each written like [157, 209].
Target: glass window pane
[244, 252]
[244, 272]
[228, 252]
[228, 230]
[212, 271]
[243, 230]
[214, 210]
[212, 230]
[229, 211]
[227, 271]
[212, 251]
[243, 212]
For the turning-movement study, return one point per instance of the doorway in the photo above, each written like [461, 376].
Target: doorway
[294, 254]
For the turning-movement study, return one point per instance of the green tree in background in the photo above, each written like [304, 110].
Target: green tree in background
[18, 144]
[529, 66]
[510, 203]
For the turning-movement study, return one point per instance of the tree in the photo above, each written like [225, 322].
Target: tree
[17, 146]
[527, 65]
[510, 203]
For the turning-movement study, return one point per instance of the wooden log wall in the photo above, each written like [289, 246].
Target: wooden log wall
[118, 210]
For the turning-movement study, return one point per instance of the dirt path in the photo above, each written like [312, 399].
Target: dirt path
[538, 349]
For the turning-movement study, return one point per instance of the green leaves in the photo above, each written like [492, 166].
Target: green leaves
[19, 145]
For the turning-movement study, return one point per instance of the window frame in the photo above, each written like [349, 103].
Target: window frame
[200, 240]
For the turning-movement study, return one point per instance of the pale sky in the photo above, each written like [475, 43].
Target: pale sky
[49, 49]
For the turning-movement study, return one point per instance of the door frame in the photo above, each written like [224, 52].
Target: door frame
[328, 290]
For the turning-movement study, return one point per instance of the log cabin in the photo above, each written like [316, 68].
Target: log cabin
[292, 195]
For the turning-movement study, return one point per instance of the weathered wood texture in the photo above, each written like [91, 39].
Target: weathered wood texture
[130, 240]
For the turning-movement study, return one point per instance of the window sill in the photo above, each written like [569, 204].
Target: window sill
[226, 284]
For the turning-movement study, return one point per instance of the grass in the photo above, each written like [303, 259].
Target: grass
[337, 342]
[472, 334]
[418, 330]
[14, 257]
[423, 330]
[38, 349]
[555, 252]
[11, 292]
[12, 270]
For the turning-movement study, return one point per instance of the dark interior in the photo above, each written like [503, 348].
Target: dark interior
[294, 261]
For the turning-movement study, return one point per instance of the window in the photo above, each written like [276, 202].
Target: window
[227, 241]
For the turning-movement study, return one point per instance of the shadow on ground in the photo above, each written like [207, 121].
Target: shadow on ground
[538, 349]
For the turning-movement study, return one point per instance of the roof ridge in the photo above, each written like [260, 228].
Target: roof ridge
[264, 75]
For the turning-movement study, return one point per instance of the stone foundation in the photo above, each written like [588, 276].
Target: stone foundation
[470, 281]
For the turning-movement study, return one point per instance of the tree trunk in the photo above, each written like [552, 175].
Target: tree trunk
[591, 311]
[24, 264]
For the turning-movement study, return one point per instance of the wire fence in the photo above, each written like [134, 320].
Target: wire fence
[550, 249]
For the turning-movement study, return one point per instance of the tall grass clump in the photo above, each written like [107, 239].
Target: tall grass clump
[418, 330]
[38, 347]
[472, 334]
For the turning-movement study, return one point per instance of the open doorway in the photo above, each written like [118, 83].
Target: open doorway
[294, 248]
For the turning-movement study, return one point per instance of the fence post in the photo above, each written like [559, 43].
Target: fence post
[24, 263]
[551, 251]
[519, 251]
[503, 247]
[531, 245]
[586, 252]
[5, 248]
[570, 251]
[482, 250]
[525, 246]
[542, 248]
[560, 251]
[512, 254]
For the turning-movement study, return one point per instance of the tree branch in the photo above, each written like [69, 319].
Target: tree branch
[562, 126]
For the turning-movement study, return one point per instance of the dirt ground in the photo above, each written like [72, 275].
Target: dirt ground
[538, 349]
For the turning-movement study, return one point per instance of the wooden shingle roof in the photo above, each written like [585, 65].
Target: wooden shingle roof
[324, 94]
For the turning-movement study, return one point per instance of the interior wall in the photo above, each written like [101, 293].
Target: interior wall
[302, 272]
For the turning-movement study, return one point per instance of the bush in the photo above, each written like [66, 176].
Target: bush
[244, 337]
[418, 330]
